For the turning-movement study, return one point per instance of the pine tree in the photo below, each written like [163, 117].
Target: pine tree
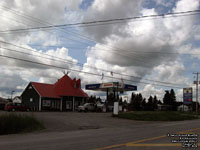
[120, 101]
[173, 96]
[136, 100]
[150, 103]
[143, 104]
[166, 98]
[155, 102]
[173, 100]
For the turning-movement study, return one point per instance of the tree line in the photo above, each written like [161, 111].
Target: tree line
[138, 102]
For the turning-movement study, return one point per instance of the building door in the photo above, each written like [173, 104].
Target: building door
[68, 105]
[55, 104]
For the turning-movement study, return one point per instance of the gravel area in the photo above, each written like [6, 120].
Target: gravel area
[70, 121]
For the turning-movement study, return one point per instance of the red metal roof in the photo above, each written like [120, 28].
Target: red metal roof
[63, 87]
[45, 90]
[68, 87]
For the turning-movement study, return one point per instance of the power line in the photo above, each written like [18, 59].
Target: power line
[59, 67]
[95, 41]
[128, 51]
[87, 38]
[41, 22]
[75, 63]
[71, 62]
[83, 37]
[175, 14]
[37, 21]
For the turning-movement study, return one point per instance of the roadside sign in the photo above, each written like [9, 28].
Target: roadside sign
[195, 82]
[187, 95]
[130, 87]
[92, 87]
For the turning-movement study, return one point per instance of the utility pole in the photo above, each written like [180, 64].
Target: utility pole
[197, 85]
[12, 94]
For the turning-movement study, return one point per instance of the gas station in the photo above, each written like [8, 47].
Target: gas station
[112, 87]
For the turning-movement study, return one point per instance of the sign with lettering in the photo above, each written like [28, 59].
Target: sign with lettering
[92, 86]
[187, 95]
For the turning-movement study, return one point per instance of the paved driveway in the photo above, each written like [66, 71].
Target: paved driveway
[100, 131]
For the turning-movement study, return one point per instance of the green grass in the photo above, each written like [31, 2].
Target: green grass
[18, 123]
[158, 116]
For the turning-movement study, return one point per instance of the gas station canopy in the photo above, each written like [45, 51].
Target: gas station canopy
[111, 85]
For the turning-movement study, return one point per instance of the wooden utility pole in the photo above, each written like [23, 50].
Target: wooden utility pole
[197, 85]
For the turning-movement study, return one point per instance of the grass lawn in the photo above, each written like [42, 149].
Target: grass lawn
[18, 123]
[158, 116]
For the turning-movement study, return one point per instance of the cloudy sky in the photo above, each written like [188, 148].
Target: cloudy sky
[156, 53]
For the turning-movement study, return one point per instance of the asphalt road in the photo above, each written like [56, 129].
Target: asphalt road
[99, 131]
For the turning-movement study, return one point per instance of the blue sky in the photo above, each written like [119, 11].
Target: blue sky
[133, 48]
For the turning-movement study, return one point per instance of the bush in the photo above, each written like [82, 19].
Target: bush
[157, 116]
[13, 123]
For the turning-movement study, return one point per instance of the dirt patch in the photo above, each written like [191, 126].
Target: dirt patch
[88, 127]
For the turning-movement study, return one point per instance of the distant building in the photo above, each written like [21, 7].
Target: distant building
[65, 95]
[183, 108]
[3, 101]
[164, 107]
[17, 99]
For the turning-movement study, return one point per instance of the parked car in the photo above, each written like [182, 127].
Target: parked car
[100, 107]
[16, 107]
[87, 107]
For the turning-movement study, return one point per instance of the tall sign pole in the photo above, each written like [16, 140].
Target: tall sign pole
[197, 85]
[187, 96]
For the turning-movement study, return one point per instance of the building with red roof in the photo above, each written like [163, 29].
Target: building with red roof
[65, 95]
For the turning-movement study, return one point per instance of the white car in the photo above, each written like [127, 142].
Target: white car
[87, 107]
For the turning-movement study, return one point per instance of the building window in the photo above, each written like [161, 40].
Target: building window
[30, 87]
[46, 103]
[31, 99]
[68, 105]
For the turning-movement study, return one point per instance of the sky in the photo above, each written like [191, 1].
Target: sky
[153, 54]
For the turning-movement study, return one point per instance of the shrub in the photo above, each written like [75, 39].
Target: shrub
[157, 116]
[18, 123]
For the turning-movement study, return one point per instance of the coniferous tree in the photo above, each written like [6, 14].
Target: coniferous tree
[143, 104]
[166, 98]
[155, 102]
[173, 96]
[132, 101]
[136, 100]
[150, 103]
[120, 101]
[110, 100]
[159, 102]
[92, 99]
[173, 100]
[170, 99]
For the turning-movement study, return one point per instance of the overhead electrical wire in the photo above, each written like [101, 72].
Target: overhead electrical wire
[37, 20]
[87, 38]
[140, 78]
[97, 49]
[59, 67]
[109, 20]
[71, 62]
[41, 20]
[45, 23]
[84, 37]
